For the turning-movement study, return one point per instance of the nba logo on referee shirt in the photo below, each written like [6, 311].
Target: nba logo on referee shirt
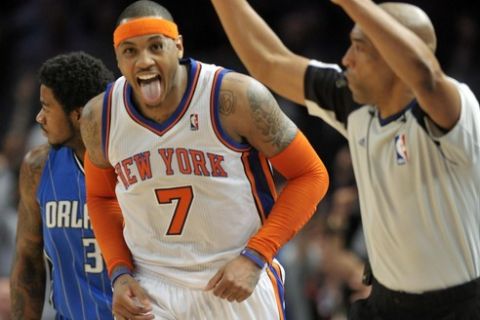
[194, 122]
[401, 149]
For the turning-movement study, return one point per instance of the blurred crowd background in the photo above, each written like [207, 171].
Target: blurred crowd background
[324, 262]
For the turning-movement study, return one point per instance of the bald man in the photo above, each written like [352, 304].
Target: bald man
[414, 137]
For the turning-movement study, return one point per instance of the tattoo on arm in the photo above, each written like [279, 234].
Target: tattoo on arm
[90, 129]
[227, 102]
[89, 126]
[28, 273]
[268, 118]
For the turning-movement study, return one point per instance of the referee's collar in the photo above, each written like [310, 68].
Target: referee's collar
[398, 115]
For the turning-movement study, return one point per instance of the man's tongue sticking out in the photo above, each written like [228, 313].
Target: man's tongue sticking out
[151, 91]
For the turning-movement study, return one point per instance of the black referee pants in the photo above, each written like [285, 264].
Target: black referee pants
[460, 302]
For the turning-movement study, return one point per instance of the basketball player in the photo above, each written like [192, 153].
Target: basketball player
[201, 220]
[415, 145]
[52, 217]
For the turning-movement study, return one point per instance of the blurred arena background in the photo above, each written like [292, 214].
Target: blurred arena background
[323, 263]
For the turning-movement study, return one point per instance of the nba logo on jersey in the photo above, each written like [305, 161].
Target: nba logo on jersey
[401, 149]
[194, 122]
[361, 142]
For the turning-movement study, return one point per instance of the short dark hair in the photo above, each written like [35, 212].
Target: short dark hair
[74, 78]
[144, 8]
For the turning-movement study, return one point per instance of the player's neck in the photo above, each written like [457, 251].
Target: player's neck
[78, 147]
[161, 112]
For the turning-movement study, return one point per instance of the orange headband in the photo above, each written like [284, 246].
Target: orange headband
[143, 26]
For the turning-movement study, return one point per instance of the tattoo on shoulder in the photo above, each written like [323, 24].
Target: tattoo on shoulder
[268, 117]
[33, 166]
[28, 210]
[227, 102]
[89, 124]
[90, 127]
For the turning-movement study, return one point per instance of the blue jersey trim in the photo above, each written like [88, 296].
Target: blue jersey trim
[106, 114]
[161, 128]
[222, 135]
[263, 190]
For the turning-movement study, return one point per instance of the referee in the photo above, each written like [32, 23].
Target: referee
[414, 137]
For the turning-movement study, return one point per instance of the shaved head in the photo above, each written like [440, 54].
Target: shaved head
[144, 8]
[414, 19]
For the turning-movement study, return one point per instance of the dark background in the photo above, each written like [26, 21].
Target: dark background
[32, 31]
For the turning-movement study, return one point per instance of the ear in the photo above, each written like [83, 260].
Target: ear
[179, 45]
[75, 115]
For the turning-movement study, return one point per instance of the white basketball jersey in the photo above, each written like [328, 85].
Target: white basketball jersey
[190, 195]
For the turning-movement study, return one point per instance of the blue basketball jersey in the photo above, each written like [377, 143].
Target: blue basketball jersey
[80, 284]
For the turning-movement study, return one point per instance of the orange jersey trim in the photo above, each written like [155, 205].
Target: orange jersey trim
[253, 185]
[269, 177]
[279, 298]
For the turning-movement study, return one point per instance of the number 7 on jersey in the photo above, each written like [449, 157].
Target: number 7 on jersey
[184, 197]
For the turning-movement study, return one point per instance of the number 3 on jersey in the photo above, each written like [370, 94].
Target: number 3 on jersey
[93, 256]
[184, 197]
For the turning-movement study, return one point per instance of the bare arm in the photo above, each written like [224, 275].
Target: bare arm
[100, 178]
[107, 219]
[255, 116]
[91, 130]
[248, 111]
[410, 58]
[27, 279]
[261, 51]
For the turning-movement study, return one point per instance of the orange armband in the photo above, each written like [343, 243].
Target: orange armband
[307, 183]
[105, 215]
